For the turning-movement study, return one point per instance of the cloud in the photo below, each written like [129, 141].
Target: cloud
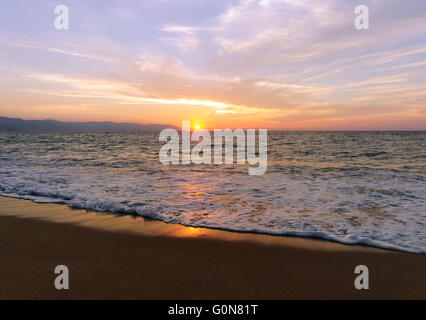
[264, 59]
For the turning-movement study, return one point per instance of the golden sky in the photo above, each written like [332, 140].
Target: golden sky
[276, 64]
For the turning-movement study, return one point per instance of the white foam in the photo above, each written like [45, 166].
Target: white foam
[379, 208]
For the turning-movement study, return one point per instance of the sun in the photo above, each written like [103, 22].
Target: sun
[197, 127]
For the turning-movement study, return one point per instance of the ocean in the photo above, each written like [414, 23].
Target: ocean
[351, 187]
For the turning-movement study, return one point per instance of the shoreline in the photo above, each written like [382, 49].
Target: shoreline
[113, 257]
[176, 229]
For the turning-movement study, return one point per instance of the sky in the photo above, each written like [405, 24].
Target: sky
[275, 64]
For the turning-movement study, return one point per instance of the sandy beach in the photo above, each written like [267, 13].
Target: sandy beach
[122, 257]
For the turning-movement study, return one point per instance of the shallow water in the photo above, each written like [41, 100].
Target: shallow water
[351, 187]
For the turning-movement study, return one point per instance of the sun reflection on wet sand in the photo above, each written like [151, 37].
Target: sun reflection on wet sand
[190, 232]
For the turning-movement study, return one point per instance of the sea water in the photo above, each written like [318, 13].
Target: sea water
[352, 187]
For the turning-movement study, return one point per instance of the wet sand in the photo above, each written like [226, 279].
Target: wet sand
[121, 257]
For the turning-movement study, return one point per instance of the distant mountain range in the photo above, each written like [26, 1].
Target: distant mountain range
[16, 124]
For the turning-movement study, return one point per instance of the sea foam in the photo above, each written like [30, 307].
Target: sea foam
[377, 202]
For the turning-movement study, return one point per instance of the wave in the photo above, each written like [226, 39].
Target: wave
[353, 188]
[143, 209]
